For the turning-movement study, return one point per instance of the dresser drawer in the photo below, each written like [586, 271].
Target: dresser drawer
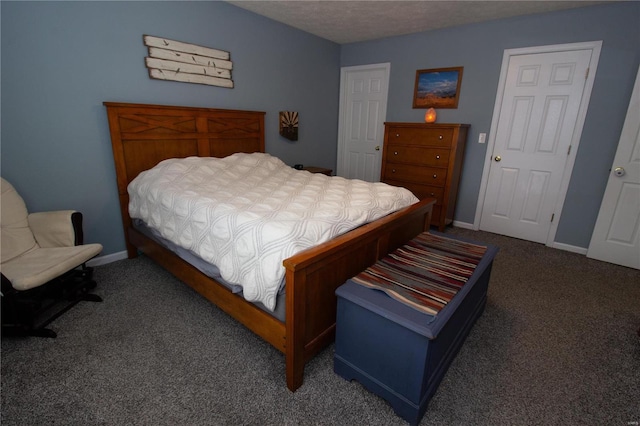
[417, 155]
[421, 191]
[420, 136]
[418, 174]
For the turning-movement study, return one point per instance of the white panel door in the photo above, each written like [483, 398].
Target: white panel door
[363, 108]
[539, 111]
[616, 236]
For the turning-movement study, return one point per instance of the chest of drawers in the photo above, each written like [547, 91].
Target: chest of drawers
[427, 160]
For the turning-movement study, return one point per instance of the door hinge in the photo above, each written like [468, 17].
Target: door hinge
[586, 74]
[569, 150]
[552, 216]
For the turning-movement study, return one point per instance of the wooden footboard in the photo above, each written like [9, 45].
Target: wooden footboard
[143, 135]
[314, 275]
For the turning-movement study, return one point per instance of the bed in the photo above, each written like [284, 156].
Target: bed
[144, 135]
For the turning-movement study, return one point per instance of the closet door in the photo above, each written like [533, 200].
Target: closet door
[616, 236]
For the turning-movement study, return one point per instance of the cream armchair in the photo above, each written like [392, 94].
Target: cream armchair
[43, 265]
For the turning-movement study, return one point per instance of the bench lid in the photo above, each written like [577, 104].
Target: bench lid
[427, 325]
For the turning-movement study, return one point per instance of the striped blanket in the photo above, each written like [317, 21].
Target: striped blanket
[426, 273]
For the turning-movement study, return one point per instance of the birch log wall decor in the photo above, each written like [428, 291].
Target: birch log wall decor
[189, 63]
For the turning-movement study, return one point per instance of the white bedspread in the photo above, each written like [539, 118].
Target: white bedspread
[246, 213]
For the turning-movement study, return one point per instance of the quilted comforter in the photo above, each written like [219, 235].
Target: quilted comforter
[246, 213]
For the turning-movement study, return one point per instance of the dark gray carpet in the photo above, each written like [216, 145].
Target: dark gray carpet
[557, 344]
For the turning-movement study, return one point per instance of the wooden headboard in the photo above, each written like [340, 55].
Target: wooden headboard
[143, 135]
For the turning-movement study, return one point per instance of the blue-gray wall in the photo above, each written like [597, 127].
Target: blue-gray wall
[479, 49]
[61, 60]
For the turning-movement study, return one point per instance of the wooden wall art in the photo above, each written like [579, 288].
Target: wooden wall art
[289, 125]
[189, 63]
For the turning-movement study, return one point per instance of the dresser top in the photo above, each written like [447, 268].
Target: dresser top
[426, 125]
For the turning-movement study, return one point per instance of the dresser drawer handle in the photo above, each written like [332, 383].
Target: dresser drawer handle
[397, 135]
[435, 175]
[433, 195]
[437, 157]
[440, 137]
[395, 153]
[393, 170]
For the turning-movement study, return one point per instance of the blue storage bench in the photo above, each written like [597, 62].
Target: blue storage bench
[401, 353]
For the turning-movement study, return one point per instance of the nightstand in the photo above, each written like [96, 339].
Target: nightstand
[322, 170]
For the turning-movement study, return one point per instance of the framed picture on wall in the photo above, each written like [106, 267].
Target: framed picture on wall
[437, 88]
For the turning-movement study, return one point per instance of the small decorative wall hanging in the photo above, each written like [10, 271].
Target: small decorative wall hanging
[189, 63]
[437, 88]
[289, 125]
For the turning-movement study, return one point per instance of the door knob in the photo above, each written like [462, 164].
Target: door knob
[498, 158]
[378, 148]
[619, 171]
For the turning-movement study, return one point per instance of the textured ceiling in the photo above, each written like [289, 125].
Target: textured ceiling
[348, 21]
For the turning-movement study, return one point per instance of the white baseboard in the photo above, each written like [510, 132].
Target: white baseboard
[569, 247]
[103, 260]
[114, 257]
[463, 225]
[559, 246]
